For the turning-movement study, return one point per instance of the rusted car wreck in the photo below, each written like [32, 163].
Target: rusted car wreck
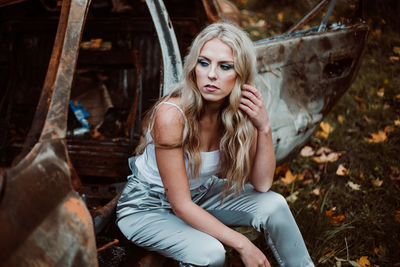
[59, 184]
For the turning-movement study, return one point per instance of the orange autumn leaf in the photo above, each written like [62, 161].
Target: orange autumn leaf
[280, 16]
[388, 129]
[338, 219]
[377, 137]
[340, 119]
[377, 251]
[329, 213]
[358, 99]
[364, 262]
[283, 167]
[326, 129]
[289, 177]
[397, 216]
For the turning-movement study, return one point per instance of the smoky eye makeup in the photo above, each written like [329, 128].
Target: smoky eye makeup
[226, 66]
[203, 62]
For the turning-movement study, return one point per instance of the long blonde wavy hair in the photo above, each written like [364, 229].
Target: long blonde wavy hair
[238, 131]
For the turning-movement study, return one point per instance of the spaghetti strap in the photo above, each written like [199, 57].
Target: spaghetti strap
[172, 104]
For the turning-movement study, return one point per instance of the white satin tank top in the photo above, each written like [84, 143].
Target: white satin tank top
[147, 165]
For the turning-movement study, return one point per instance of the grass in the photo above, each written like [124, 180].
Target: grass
[343, 224]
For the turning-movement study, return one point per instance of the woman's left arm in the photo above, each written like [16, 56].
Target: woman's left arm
[262, 153]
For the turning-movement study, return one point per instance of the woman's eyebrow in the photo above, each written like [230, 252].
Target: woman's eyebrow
[222, 61]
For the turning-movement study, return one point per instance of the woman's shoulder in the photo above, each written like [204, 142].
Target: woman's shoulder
[168, 119]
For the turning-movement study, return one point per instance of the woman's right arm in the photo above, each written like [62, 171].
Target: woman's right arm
[167, 130]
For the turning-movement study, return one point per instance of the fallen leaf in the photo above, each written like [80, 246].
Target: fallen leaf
[377, 137]
[381, 92]
[377, 182]
[307, 151]
[324, 150]
[377, 32]
[316, 191]
[293, 197]
[397, 123]
[340, 119]
[362, 176]
[289, 177]
[326, 129]
[396, 50]
[394, 58]
[364, 262]
[377, 252]
[281, 168]
[398, 96]
[367, 119]
[353, 186]
[280, 16]
[358, 99]
[341, 170]
[331, 157]
[329, 213]
[338, 219]
[397, 216]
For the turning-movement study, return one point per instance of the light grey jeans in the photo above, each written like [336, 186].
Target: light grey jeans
[145, 217]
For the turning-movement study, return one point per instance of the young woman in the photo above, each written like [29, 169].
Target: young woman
[207, 163]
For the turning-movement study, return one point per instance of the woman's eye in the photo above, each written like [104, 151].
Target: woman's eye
[203, 62]
[226, 66]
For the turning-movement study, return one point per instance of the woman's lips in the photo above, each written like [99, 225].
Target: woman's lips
[211, 88]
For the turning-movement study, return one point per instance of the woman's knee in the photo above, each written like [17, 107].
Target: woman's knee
[211, 253]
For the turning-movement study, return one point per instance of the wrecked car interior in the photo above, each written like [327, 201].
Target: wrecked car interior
[78, 78]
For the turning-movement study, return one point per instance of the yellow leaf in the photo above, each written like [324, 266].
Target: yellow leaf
[341, 170]
[326, 127]
[364, 262]
[289, 177]
[340, 119]
[377, 182]
[377, 137]
[280, 16]
[397, 123]
[307, 151]
[353, 186]
[381, 92]
[396, 50]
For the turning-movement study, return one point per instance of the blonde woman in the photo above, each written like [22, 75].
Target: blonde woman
[207, 162]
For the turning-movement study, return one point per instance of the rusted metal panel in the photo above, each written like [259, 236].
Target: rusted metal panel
[301, 76]
[172, 62]
[44, 221]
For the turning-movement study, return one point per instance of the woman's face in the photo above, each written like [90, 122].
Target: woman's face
[215, 73]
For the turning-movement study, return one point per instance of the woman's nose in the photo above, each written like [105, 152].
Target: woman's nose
[212, 73]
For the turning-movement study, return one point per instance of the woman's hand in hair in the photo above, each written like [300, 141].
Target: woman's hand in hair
[252, 104]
